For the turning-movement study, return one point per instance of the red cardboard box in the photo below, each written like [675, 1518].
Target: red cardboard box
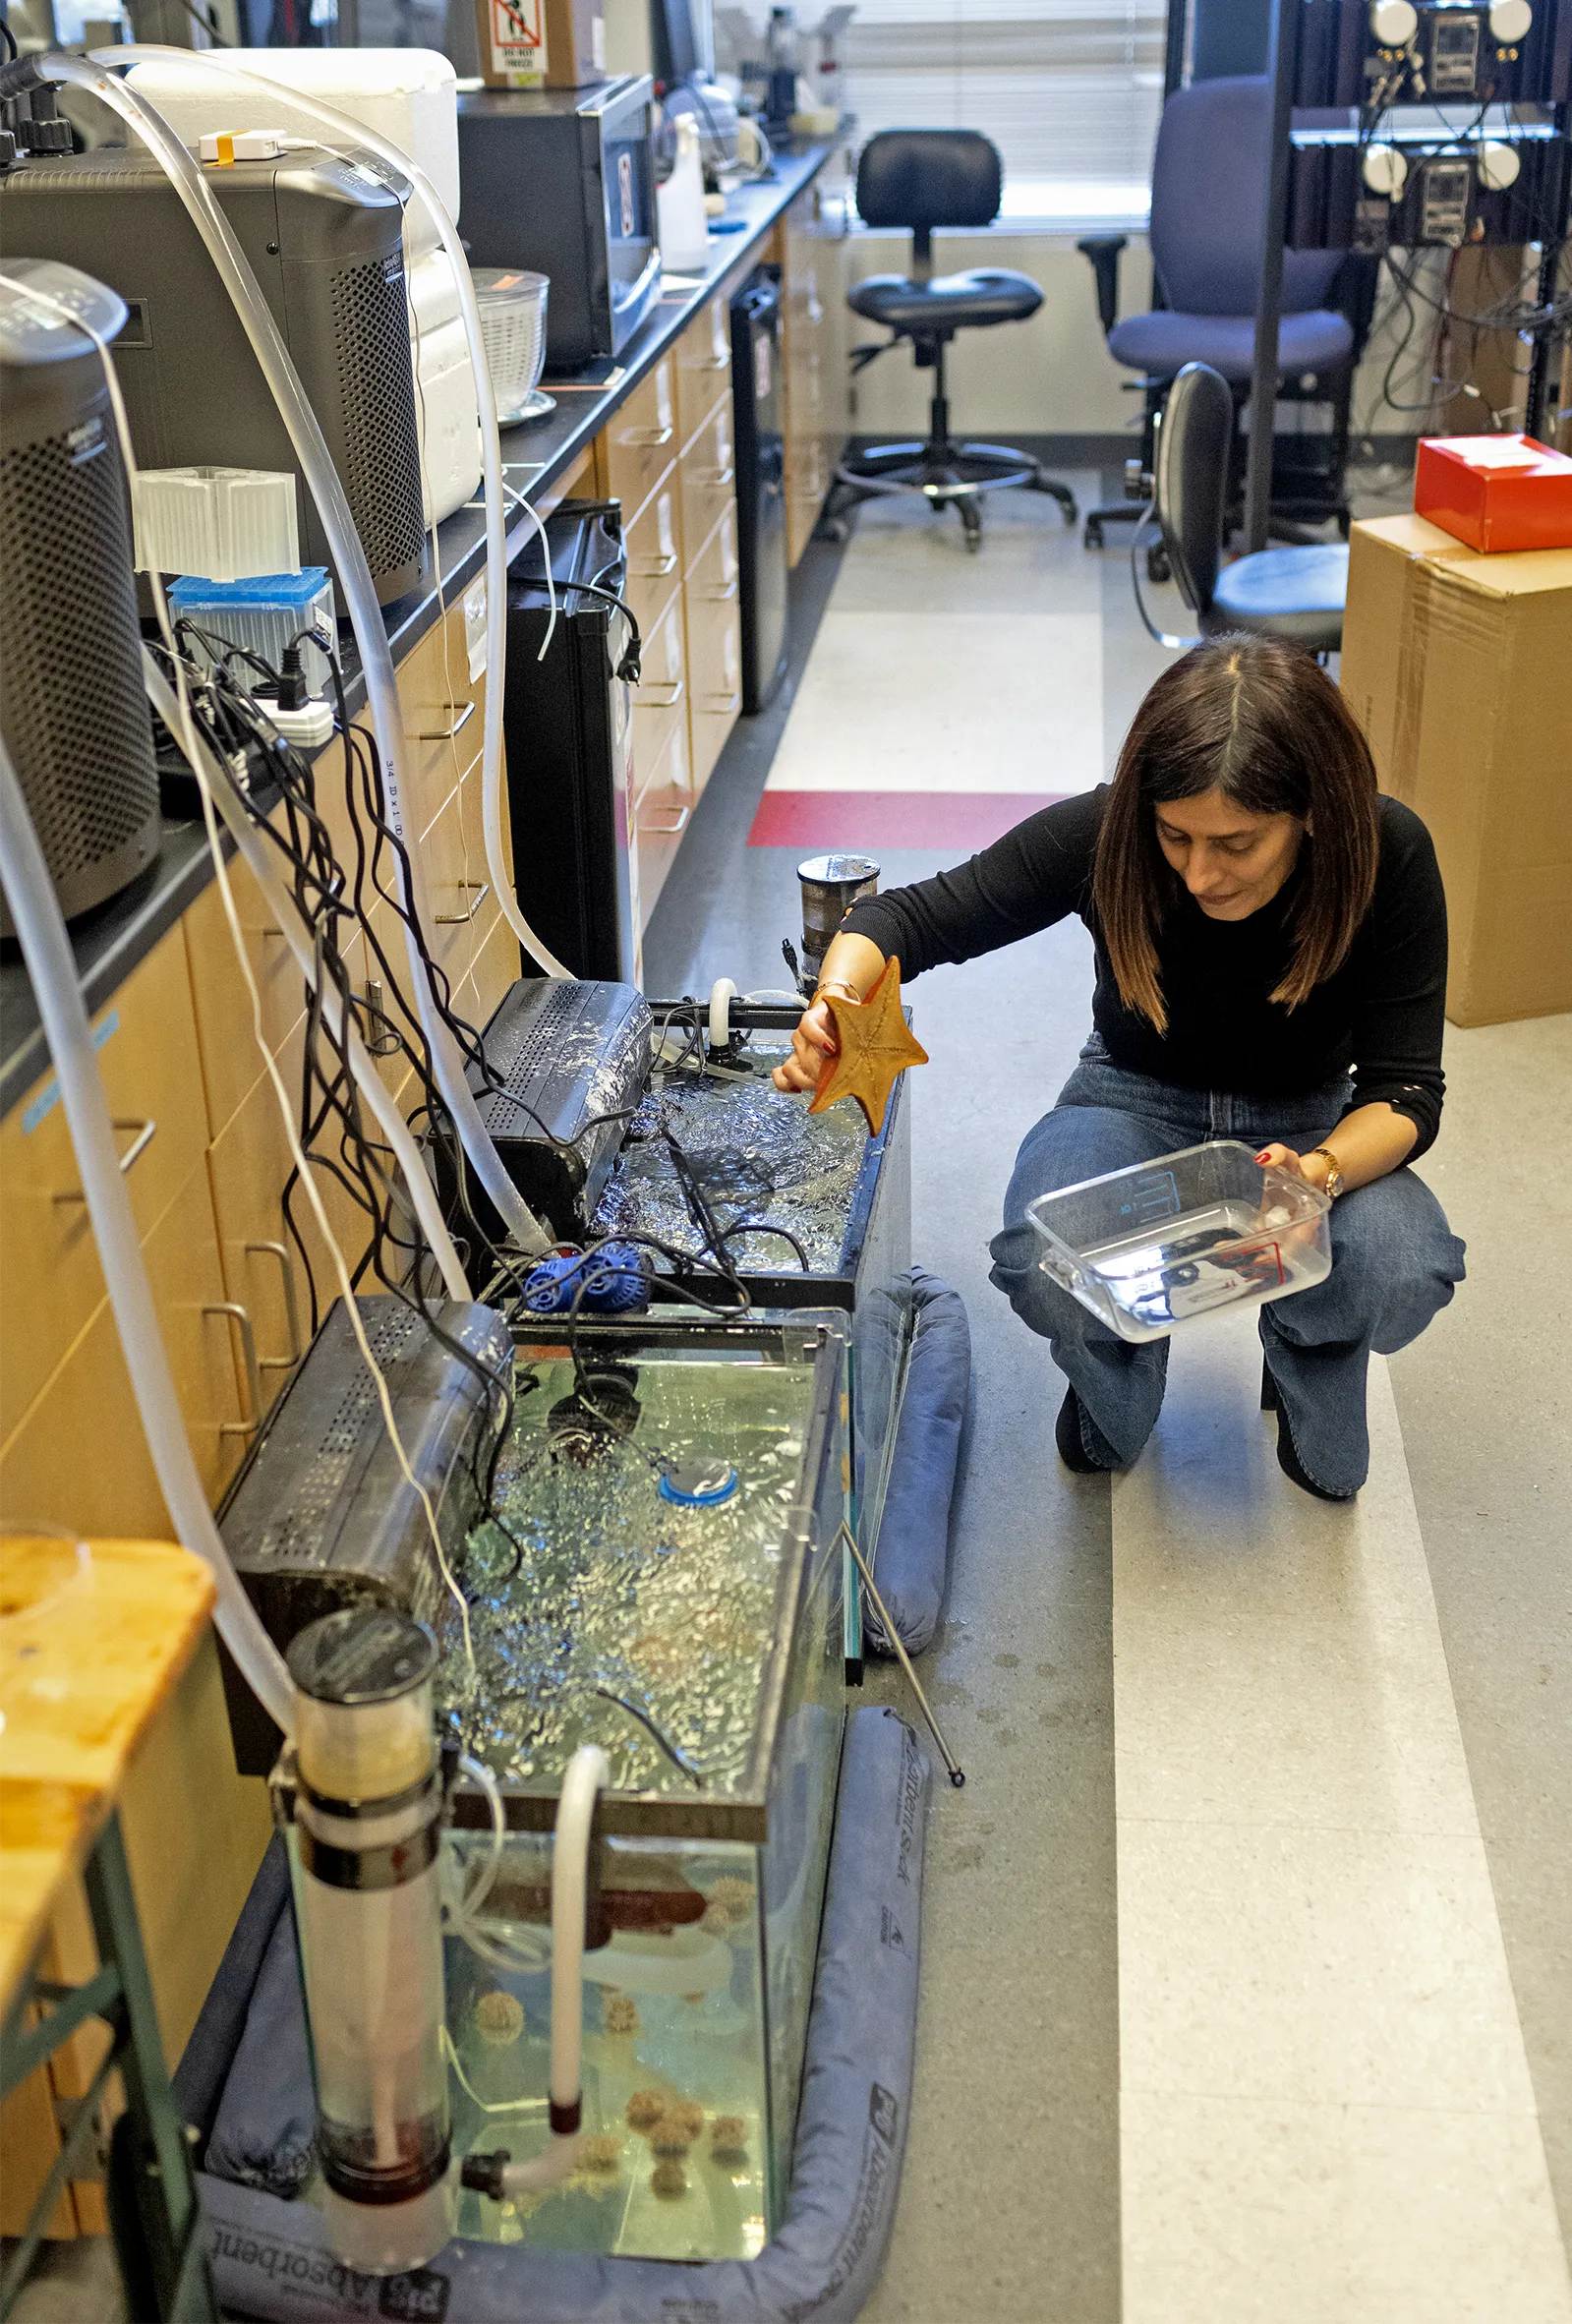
[1495, 491]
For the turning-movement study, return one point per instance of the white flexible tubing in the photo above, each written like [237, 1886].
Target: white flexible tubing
[722, 994]
[52, 972]
[356, 133]
[582, 1778]
[254, 850]
[370, 635]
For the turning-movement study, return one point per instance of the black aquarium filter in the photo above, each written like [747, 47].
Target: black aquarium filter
[72, 708]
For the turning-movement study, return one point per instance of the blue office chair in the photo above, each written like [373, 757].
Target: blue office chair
[920, 179]
[1294, 594]
[1208, 198]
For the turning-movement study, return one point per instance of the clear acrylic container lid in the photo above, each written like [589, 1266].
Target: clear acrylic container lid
[1185, 1236]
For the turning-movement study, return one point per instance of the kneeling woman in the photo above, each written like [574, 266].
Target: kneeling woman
[1270, 942]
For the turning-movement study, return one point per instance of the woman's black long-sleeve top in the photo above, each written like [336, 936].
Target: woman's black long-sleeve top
[1379, 1016]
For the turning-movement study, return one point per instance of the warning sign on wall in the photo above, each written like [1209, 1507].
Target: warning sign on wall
[513, 51]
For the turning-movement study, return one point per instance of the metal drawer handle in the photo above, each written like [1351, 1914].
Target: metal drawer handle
[722, 703]
[646, 438]
[145, 1131]
[462, 712]
[653, 686]
[717, 363]
[286, 1267]
[247, 1348]
[723, 596]
[379, 1044]
[815, 310]
[462, 919]
[665, 831]
[717, 476]
[654, 568]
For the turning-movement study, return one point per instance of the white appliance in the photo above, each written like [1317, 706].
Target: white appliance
[410, 97]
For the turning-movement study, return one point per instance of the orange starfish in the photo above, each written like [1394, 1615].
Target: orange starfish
[876, 1045]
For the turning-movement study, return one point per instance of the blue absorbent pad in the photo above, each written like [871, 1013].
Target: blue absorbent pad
[911, 1561]
[270, 2258]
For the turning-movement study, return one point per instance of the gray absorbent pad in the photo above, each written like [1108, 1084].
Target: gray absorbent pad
[270, 2258]
[911, 1564]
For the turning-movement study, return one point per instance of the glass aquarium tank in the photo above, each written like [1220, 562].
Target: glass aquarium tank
[767, 1170]
[663, 1579]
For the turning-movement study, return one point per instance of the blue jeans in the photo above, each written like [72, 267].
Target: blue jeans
[1394, 1264]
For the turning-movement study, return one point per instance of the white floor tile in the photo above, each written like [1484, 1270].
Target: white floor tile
[1319, 2037]
[1283, 2212]
[997, 702]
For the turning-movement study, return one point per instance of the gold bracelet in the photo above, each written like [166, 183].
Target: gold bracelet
[1334, 1175]
[836, 986]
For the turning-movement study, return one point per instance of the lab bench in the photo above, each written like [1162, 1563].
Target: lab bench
[202, 1146]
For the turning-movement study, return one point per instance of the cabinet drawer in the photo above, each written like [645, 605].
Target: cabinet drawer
[641, 441]
[655, 555]
[708, 475]
[495, 971]
[147, 1055]
[661, 815]
[714, 575]
[264, 1270]
[659, 700]
[443, 716]
[463, 903]
[230, 1059]
[703, 366]
[715, 670]
[79, 1457]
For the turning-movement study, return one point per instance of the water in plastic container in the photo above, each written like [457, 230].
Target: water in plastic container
[1166, 1242]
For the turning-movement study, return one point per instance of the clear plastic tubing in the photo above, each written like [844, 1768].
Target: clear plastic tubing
[345, 127]
[364, 613]
[52, 971]
[259, 862]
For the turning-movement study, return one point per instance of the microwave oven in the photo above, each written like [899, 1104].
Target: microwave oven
[563, 180]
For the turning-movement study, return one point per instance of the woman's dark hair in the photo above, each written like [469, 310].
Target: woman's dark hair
[1264, 724]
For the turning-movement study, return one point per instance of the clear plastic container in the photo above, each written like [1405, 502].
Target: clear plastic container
[1192, 1232]
[512, 305]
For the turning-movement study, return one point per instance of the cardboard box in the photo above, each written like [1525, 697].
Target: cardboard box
[1497, 492]
[541, 43]
[1458, 667]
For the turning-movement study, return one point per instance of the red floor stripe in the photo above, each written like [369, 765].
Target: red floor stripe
[957, 819]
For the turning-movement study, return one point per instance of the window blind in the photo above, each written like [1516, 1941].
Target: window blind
[1069, 92]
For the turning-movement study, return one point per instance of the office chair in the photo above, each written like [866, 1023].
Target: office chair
[1293, 593]
[1208, 198]
[924, 178]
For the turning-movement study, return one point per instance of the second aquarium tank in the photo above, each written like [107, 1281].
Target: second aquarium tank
[662, 1578]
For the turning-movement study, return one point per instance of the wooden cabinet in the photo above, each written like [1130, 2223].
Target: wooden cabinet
[231, 1062]
[659, 699]
[654, 543]
[661, 806]
[79, 1457]
[715, 648]
[707, 472]
[147, 1055]
[641, 441]
[817, 395]
[703, 366]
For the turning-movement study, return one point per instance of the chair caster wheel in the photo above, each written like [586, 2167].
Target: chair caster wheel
[1158, 567]
[1092, 533]
[973, 543]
